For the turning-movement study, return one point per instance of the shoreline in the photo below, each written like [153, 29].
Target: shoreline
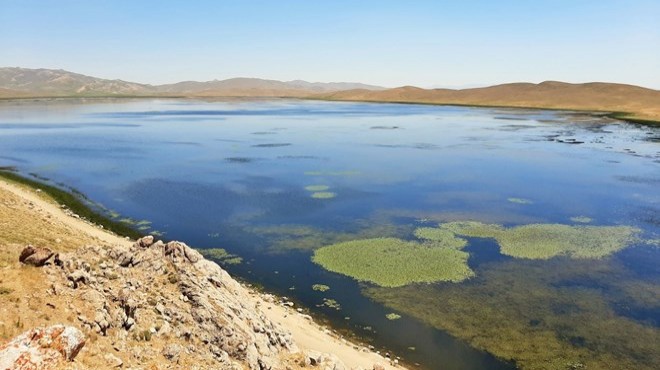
[307, 334]
[630, 117]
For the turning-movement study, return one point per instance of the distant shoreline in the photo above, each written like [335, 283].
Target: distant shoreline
[630, 117]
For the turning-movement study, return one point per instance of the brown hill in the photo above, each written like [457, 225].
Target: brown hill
[50, 82]
[628, 101]
[642, 103]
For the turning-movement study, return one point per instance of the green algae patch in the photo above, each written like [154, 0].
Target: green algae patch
[315, 188]
[323, 195]
[391, 262]
[544, 241]
[440, 237]
[392, 316]
[473, 229]
[581, 219]
[520, 200]
[221, 256]
[320, 287]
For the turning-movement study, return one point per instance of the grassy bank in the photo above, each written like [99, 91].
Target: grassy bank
[74, 200]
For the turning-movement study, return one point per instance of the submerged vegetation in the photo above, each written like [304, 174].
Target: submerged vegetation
[542, 314]
[543, 241]
[391, 262]
[221, 256]
[282, 238]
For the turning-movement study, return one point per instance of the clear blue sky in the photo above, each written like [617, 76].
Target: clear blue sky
[391, 43]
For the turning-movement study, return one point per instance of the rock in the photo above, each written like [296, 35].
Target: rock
[42, 348]
[378, 366]
[177, 250]
[78, 277]
[113, 361]
[125, 259]
[312, 357]
[172, 351]
[145, 242]
[165, 329]
[35, 256]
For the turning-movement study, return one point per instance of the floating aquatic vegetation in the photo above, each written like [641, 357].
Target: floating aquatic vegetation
[323, 195]
[392, 316]
[113, 214]
[143, 228]
[143, 223]
[520, 200]
[543, 241]
[392, 262]
[473, 229]
[581, 219]
[331, 303]
[221, 256]
[320, 287]
[440, 237]
[264, 133]
[214, 235]
[520, 311]
[317, 188]
[271, 145]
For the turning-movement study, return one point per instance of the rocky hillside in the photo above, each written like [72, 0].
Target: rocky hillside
[87, 299]
[128, 297]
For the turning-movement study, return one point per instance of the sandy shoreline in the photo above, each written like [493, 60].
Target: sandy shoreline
[308, 335]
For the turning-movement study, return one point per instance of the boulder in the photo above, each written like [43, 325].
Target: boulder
[35, 256]
[42, 348]
[145, 242]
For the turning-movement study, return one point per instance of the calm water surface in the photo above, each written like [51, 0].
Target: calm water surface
[233, 175]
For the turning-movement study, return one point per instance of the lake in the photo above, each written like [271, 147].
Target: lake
[558, 266]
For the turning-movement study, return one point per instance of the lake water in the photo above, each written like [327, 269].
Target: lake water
[233, 175]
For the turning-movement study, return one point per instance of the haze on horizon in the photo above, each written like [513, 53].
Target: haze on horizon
[387, 43]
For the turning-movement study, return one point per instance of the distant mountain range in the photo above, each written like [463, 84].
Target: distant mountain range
[631, 102]
[22, 82]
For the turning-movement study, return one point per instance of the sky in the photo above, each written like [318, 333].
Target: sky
[389, 43]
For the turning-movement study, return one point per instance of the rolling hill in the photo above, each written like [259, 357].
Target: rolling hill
[627, 101]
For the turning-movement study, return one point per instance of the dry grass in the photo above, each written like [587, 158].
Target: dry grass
[22, 223]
